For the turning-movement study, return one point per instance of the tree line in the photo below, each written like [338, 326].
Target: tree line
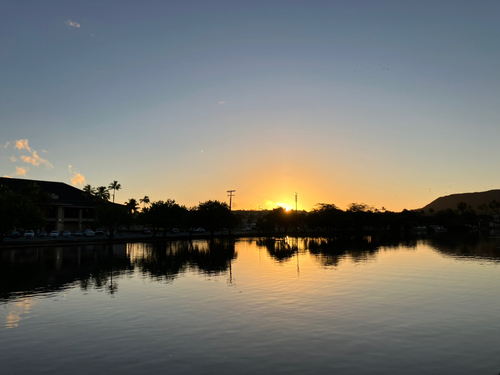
[161, 216]
[28, 207]
[359, 218]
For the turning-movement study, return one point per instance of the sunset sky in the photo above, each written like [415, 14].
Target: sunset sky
[388, 103]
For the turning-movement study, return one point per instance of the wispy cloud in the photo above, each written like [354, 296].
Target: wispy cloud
[20, 171]
[29, 160]
[13, 159]
[36, 160]
[222, 102]
[6, 144]
[77, 179]
[22, 144]
[72, 23]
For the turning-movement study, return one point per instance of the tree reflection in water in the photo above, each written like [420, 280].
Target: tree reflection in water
[166, 260]
[280, 249]
[329, 251]
[468, 247]
[43, 270]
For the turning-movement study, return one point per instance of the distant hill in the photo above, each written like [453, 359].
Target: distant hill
[472, 199]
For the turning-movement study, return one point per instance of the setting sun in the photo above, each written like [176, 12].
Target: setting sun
[272, 205]
[285, 206]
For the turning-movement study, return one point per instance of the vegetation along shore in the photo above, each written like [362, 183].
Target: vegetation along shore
[31, 206]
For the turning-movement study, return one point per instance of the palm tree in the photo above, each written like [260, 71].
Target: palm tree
[102, 193]
[132, 205]
[114, 186]
[88, 191]
[144, 201]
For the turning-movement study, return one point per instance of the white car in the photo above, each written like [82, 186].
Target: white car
[54, 233]
[66, 233]
[29, 234]
[89, 233]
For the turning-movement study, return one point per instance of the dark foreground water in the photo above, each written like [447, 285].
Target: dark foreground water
[294, 306]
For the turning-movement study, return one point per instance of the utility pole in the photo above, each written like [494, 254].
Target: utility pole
[230, 195]
[295, 202]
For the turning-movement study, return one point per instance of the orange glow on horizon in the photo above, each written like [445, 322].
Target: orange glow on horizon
[285, 206]
[271, 205]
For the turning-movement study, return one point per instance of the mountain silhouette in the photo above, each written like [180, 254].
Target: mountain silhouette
[474, 200]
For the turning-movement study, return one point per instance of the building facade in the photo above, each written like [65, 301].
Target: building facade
[66, 209]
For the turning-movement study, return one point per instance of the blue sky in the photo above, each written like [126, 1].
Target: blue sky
[390, 103]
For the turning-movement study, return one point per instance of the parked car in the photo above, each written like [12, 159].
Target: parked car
[66, 233]
[246, 229]
[54, 233]
[15, 234]
[199, 230]
[42, 234]
[99, 232]
[89, 233]
[146, 231]
[29, 234]
[78, 233]
[175, 230]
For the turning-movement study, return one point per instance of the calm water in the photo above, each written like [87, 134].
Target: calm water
[292, 306]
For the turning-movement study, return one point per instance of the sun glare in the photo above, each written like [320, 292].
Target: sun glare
[285, 206]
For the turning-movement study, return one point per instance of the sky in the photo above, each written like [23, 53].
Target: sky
[388, 103]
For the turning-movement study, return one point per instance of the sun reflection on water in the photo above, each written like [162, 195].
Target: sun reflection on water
[18, 311]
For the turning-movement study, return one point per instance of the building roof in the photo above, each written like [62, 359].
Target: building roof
[62, 194]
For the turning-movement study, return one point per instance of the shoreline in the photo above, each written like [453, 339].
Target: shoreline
[10, 243]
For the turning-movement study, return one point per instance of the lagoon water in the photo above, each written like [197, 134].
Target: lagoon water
[286, 306]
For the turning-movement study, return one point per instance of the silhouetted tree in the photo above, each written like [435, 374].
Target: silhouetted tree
[132, 206]
[144, 201]
[326, 216]
[112, 216]
[214, 215]
[88, 191]
[163, 215]
[462, 207]
[360, 207]
[114, 186]
[102, 194]
[494, 205]
[280, 217]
